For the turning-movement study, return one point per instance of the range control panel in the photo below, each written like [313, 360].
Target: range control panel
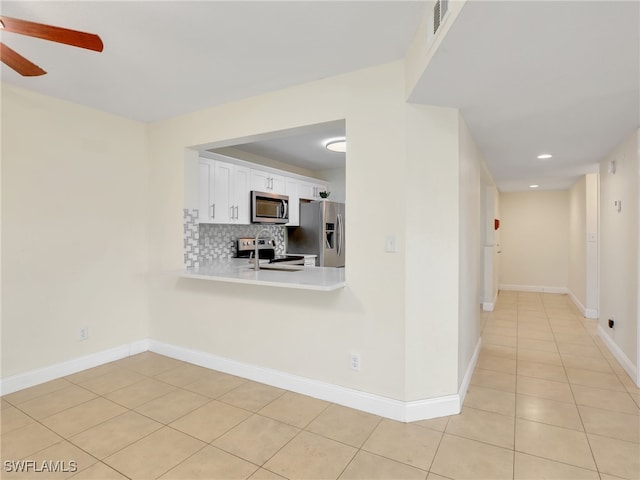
[266, 246]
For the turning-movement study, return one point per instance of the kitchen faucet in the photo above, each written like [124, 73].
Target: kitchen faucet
[256, 254]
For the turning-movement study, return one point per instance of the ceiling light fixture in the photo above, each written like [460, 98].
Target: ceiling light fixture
[337, 145]
[534, 186]
[544, 156]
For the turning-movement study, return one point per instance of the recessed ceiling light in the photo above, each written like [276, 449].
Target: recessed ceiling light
[545, 156]
[534, 186]
[337, 145]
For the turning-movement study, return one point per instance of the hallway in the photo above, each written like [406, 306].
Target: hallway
[546, 386]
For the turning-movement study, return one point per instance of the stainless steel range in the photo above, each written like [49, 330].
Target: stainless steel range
[266, 251]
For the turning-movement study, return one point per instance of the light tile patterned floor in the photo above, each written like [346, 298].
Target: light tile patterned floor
[547, 400]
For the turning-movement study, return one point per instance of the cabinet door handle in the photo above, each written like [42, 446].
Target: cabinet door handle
[213, 210]
[237, 212]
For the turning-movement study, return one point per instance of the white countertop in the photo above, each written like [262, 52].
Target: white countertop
[238, 270]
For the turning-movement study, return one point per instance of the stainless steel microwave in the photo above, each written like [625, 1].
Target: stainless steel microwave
[269, 208]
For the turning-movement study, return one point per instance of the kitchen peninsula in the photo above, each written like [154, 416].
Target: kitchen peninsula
[238, 270]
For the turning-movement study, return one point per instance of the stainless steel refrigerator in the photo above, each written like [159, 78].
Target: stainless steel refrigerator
[321, 233]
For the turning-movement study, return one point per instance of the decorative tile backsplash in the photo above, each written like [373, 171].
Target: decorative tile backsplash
[219, 241]
[191, 233]
[205, 242]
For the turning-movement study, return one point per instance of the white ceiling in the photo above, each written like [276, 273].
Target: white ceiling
[166, 58]
[304, 147]
[533, 77]
[529, 77]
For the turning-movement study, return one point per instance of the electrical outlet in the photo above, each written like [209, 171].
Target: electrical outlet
[354, 361]
[612, 321]
[83, 333]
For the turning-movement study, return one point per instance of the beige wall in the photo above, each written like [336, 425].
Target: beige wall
[74, 207]
[583, 244]
[303, 333]
[472, 189]
[534, 236]
[593, 232]
[578, 240]
[619, 246]
[432, 251]
[382, 314]
[95, 216]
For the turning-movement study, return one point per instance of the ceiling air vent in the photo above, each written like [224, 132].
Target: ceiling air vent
[439, 11]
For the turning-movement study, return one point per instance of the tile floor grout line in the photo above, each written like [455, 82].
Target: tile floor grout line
[593, 457]
[264, 406]
[515, 399]
[300, 430]
[359, 449]
[67, 440]
[279, 450]
[437, 449]
[484, 442]
[393, 459]
[212, 446]
[128, 410]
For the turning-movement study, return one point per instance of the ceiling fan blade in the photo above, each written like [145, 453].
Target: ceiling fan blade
[75, 38]
[13, 59]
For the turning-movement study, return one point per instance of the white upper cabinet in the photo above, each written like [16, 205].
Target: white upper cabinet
[222, 197]
[242, 194]
[223, 192]
[311, 190]
[206, 203]
[262, 181]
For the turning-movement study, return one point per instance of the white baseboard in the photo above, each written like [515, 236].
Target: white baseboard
[447, 405]
[532, 288]
[489, 306]
[586, 312]
[376, 404]
[615, 350]
[591, 313]
[40, 375]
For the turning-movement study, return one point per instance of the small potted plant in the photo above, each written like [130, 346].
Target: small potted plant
[325, 194]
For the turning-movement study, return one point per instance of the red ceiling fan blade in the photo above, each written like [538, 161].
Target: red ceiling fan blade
[75, 38]
[20, 64]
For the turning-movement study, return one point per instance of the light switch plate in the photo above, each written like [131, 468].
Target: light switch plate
[391, 244]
